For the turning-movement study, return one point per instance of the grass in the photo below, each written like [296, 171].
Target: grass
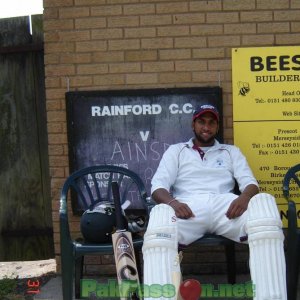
[8, 287]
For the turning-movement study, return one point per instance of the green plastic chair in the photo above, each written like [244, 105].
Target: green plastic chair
[84, 184]
[293, 233]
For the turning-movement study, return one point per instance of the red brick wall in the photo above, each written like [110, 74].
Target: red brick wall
[130, 44]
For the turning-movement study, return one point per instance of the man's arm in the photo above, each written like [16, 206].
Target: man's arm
[240, 204]
[182, 210]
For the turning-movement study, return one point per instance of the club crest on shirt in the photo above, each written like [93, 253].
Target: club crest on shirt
[219, 162]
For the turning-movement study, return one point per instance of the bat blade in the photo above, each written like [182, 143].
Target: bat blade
[124, 253]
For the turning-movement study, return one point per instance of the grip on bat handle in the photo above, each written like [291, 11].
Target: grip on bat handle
[120, 224]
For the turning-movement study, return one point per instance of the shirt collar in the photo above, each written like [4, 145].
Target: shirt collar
[191, 144]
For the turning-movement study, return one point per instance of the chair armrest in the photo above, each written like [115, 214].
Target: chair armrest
[150, 204]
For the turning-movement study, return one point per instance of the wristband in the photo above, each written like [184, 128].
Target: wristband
[171, 201]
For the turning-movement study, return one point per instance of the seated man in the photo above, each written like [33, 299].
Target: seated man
[193, 186]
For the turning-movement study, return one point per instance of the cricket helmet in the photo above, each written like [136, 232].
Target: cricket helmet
[98, 224]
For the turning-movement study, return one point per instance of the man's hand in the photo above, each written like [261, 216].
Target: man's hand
[182, 210]
[237, 207]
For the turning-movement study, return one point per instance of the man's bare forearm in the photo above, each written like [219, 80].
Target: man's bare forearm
[162, 196]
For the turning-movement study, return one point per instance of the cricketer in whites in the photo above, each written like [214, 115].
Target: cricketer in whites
[193, 187]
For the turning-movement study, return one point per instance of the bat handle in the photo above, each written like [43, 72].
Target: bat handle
[120, 224]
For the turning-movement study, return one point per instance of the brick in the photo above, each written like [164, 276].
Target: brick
[106, 10]
[222, 17]
[114, 56]
[57, 3]
[52, 58]
[208, 76]
[141, 78]
[156, 43]
[120, 1]
[59, 47]
[139, 9]
[202, 5]
[132, 21]
[91, 46]
[75, 58]
[288, 39]
[52, 36]
[174, 54]
[90, 22]
[92, 259]
[229, 40]
[125, 68]
[54, 128]
[101, 270]
[88, 2]
[78, 81]
[154, 20]
[189, 18]
[141, 55]
[54, 94]
[73, 12]
[50, 13]
[109, 79]
[208, 53]
[274, 27]
[295, 4]
[219, 64]
[55, 150]
[140, 32]
[240, 28]
[59, 70]
[239, 5]
[69, 36]
[173, 31]
[256, 16]
[92, 69]
[295, 26]
[56, 116]
[166, 66]
[56, 24]
[258, 39]
[107, 259]
[174, 7]
[192, 65]
[125, 44]
[107, 33]
[205, 30]
[52, 82]
[57, 139]
[272, 4]
[177, 77]
[190, 42]
[287, 15]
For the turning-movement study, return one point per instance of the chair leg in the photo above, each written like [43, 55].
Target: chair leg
[293, 262]
[67, 269]
[231, 263]
[138, 264]
[78, 275]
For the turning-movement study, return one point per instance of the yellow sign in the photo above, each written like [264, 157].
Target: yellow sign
[266, 114]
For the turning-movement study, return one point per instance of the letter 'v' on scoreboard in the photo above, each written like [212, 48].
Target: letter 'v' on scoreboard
[266, 115]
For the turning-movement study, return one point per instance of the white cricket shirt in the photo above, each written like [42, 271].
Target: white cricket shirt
[182, 171]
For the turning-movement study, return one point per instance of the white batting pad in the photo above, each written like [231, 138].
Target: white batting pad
[265, 237]
[160, 249]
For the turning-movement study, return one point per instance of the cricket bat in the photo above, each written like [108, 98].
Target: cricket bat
[128, 278]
